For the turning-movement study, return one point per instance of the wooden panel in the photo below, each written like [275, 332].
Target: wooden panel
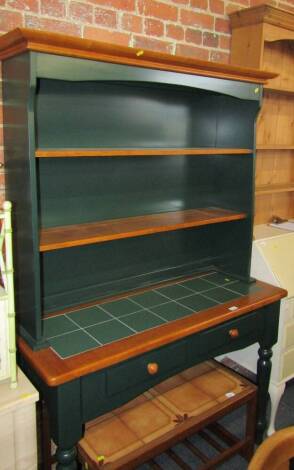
[269, 205]
[276, 120]
[278, 56]
[60, 153]
[84, 234]
[274, 167]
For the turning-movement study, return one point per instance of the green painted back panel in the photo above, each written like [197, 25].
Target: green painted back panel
[139, 115]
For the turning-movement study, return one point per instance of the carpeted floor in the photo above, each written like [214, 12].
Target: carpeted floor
[235, 424]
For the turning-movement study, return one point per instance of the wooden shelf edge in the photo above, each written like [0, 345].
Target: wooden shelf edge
[274, 188]
[93, 152]
[55, 371]
[275, 147]
[97, 232]
[269, 87]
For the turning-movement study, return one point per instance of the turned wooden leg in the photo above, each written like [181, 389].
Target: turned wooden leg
[66, 459]
[264, 366]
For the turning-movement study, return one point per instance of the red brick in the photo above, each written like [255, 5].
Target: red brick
[198, 20]
[1, 135]
[154, 27]
[105, 18]
[47, 24]
[201, 4]
[81, 12]
[192, 51]
[219, 56]
[217, 6]
[10, 20]
[158, 10]
[232, 7]
[225, 42]
[193, 35]
[100, 34]
[143, 42]
[53, 8]
[222, 25]
[182, 2]
[1, 156]
[210, 39]
[174, 31]
[2, 2]
[26, 5]
[125, 5]
[133, 23]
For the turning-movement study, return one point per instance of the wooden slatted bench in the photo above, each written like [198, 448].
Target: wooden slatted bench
[172, 411]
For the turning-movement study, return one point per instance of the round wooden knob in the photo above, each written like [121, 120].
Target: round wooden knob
[234, 333]
[152, 368]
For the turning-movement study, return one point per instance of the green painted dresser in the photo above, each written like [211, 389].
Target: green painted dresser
[131, 175]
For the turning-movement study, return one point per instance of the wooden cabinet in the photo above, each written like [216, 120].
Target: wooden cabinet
[263, 37]
[131, 175]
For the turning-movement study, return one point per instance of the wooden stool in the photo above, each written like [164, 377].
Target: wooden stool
[168, 414]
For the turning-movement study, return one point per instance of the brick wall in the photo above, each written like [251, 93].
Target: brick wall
[198, 28]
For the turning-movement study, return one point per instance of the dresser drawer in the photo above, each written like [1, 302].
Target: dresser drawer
[156, 364]
[234, 334]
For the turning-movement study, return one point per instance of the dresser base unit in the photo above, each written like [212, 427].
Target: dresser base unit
[119, 167]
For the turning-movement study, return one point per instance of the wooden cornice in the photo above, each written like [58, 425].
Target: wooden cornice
[262, 14]
[22, 39]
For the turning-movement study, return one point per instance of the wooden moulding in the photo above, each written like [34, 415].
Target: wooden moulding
[96, 232]
[262, 14]
[92, 152]
[55, 371]
[22, 39]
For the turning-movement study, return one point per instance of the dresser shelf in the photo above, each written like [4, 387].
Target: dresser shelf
[115, 229]
[275, 147]
[274, 188]
[84, 152]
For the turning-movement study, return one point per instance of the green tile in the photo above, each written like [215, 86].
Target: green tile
[244, 288]
[57, 326]
[219, 279]
[110, 331]
[142, 320]
[89, 316]
[221, 295]
[174, 292]
[72, 343]
[171, 311]
[149, 299]
[197, 285]
[117, 308]
[197, 302]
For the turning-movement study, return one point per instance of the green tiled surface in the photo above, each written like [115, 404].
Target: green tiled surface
[142, 320]
[89, 316]
[75, 332]
[109, 331]
[58, 326]
[120, 307]
[72, 343]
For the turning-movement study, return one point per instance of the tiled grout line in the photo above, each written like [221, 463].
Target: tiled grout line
[83, 329]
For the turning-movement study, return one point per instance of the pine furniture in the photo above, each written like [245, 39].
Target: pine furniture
[263, 37]
[132, 238]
